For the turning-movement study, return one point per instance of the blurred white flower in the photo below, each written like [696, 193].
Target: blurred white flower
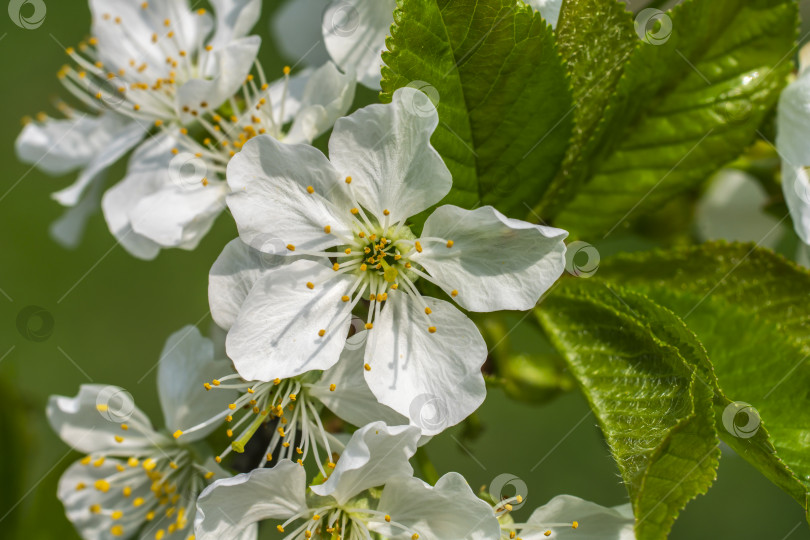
[135, 480]
[164, 71]
[793, 144]
[376, 456]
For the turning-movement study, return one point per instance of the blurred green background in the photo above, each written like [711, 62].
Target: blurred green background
[112, 314]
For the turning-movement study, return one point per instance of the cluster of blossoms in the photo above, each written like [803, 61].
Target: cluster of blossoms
[323, 295]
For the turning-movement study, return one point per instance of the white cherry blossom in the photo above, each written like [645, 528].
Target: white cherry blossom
[136, 481]
[345, 222]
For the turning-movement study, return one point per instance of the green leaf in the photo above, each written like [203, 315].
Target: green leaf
[502, 92]
[748, 308]
[681, 110]
[595, 39]
[653, 406]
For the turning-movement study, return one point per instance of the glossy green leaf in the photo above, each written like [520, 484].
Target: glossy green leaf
[748, 307]
[653, 405]
[690, 99]
[501, 91]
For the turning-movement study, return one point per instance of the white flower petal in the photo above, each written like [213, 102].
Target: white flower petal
[68, 230]
[495, 262]
[354, 32]
[549, 9]
[60, 146]
[447, 511]
[595, 522]
[125, 140]
[77, 492]
[432, 378]
[91, 421]
[352, 399]
[796, 188]
[386, 150]
[793, 143]
[235, 19]
[228, 506]
[270, 202]
[375, 454]
[179, 216]
[188, 361]
[147, 173]
[234, 273]
[296, 29]
[327, 96]
[228, 67]
[124, 31]
[276, 334]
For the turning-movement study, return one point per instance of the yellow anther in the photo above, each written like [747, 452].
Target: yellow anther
[367, 367]
[150, 516]
[293, 397]
[216, 382]
[575, 525]
[547, 533]
[80, 486]
[138, 502]
[321, 332]
[387, 518]
[508, 507]
[361, 234]
[229, 418]
[102, 485]
[133, 462]
[136, 107]
[327, 229]
[418, 246]
[269, 457]
[167, 22]
[125, 427]
[149, 464]
[70, 50]
[201, 11]
[345, 298]
[207, 386]
[209, 475]
[386, 213]
[519, 498]
[119, 439]
[232, 406]
[428, 311]
[415, 536]
[229, 433]
[95, 509]
[372, 297]
[117, 514]
[310, 190]
[101, 407]
[310, 285]
[363, 267]
[454, 293]
[280, 528]
[332, 387]
[117, 530]
[348, 179]
[336, 267]
[286, 70]
[355, 211]
[449, 243]
[432, 329]
[369, 326]
[290, 247]
[276, 381]
[99, 462]
[160, 534]
[395, 286]
[177, 434]
[218, 459]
